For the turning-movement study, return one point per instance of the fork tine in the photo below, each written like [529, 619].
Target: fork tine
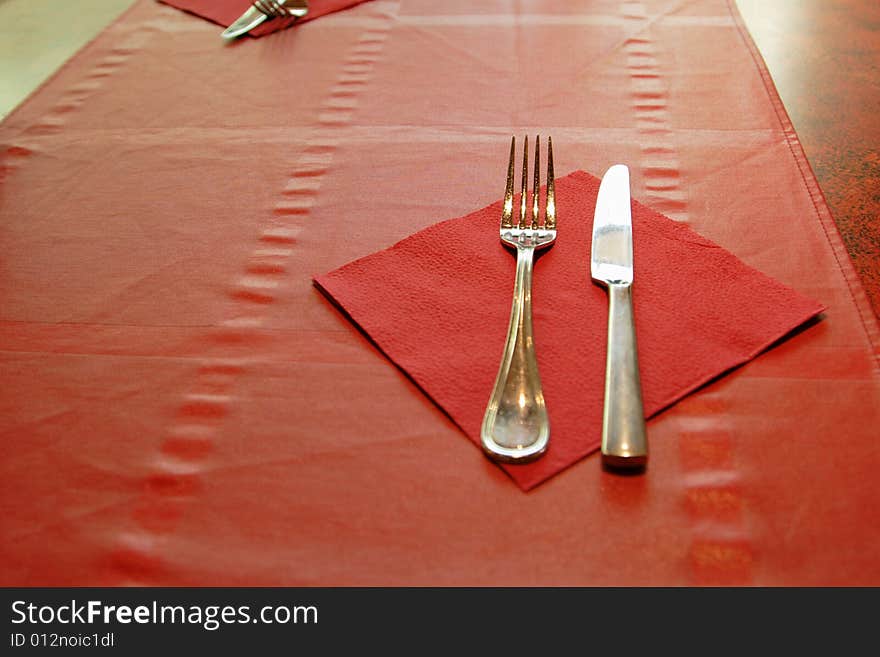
[525, 178]
[550, 210]
[536, 187]
[507, 210]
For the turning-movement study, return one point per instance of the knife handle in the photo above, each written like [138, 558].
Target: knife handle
[624, 439]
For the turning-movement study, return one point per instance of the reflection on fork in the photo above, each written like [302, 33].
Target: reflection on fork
[516, 428]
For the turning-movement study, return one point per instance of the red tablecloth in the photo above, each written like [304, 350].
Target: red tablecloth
[181, 406]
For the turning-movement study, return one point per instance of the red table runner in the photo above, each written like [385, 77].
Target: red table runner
[182, 407]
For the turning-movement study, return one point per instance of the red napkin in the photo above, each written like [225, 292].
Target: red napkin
[225, 12]
[438, 302]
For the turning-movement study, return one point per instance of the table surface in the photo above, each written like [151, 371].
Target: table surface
[824, 56]
[182, 407]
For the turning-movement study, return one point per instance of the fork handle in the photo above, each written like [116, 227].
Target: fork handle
[624, 440]
[516, 427]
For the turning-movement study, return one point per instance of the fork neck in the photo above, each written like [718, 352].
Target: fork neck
[525, 258]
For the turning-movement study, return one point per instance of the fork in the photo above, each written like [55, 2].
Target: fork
[263, 10]
[277, 8]
[515, 427]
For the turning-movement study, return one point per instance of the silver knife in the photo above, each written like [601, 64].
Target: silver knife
[255, 16]
[624, 437]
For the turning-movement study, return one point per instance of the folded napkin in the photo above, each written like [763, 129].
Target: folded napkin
[225, 12]
[438, 303]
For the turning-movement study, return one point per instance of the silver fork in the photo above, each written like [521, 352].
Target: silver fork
[516, 428]
[263, 10]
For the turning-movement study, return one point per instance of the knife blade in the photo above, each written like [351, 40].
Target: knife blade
[624, 436]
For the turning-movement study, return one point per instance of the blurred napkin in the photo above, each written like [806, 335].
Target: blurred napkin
[226, 12]
[437, 304]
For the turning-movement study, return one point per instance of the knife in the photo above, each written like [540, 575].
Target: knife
[624, 440]
[255, 16]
